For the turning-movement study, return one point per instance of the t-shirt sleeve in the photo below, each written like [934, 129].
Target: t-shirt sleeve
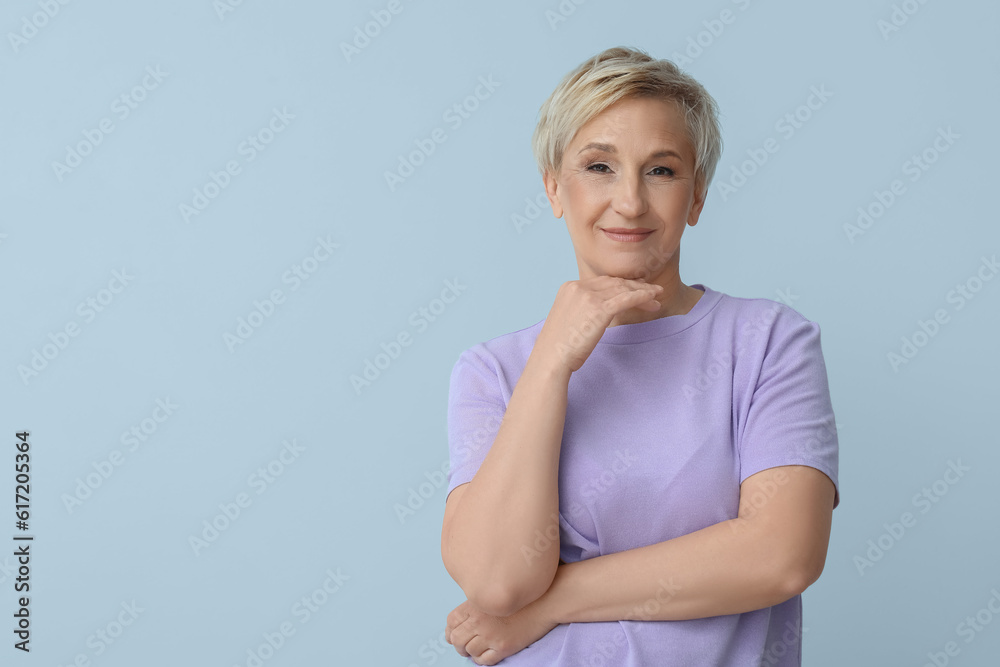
[475, 409]
[790, 420]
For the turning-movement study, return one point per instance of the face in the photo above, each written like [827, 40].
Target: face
[630, 169]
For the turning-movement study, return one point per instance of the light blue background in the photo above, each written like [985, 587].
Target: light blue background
[323, 176]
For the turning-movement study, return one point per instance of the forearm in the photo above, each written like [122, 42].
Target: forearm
[514, 497]
[727, 568]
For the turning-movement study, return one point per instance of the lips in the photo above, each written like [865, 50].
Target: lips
[626, 234]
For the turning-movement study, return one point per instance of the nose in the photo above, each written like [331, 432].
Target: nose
[629, 196]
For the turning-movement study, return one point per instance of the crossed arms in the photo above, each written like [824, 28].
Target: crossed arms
[772, 551]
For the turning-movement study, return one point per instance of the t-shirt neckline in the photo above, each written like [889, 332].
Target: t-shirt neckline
[640, 332]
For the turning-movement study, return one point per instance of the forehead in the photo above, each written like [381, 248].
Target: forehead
[635, 122]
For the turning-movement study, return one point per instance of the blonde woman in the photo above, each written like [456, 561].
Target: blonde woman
[647, 476]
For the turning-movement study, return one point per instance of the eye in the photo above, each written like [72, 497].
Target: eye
[599, 168]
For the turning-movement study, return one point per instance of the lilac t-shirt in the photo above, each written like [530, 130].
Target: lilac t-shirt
[664, 420]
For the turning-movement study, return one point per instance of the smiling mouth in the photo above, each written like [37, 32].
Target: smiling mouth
[627, 235]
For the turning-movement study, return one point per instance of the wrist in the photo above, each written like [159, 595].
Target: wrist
[546, 610]
[547, 367]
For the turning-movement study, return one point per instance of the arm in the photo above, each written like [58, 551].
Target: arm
[512, 498]
[492, 526]
[771, 552]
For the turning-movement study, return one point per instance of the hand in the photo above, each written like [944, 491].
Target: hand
[489, 639]
[582, 311]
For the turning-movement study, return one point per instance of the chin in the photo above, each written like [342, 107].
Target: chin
[628, 271]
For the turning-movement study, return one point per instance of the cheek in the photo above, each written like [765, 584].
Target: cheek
[583, 196]
[677, 202]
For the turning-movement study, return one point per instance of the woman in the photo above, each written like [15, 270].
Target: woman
[646, 476]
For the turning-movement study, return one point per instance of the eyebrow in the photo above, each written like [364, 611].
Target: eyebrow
[608, 148]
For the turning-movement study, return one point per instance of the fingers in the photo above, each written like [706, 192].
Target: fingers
[583, 309]
[480, 653]
[615, 279]
[617, 284]
[460, 640]
[651, 306]
[605, 281]
[627, 297]
[487, 657]
[628, 287]
[468, 644]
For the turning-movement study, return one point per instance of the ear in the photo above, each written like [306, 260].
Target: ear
[700, 192]
[551, 191]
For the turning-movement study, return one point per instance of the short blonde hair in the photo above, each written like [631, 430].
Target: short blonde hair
[615, 74]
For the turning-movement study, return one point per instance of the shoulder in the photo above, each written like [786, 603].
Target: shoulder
[759, 314]
[767, 331]
[506, 350]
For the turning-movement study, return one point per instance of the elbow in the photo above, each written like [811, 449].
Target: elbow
[498, 600]
[491, 591]
[495, 602]
[798, 576]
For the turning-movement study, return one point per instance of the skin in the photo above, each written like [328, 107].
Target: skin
[628, 187]
[484, 524]
[771, 552]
